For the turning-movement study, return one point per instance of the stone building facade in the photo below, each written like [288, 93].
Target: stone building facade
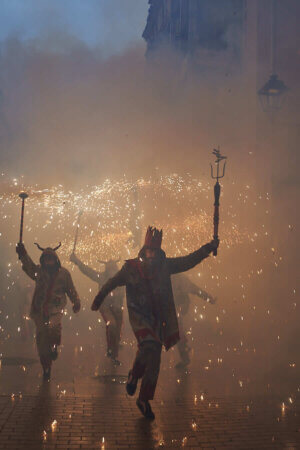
[196, 27]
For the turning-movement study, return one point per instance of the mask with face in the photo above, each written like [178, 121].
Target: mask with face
[50, 268]
[151, 264]
[49, 259]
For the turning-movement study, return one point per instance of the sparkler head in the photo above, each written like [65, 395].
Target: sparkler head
[23, 195]
[153, 238]
[219, 158]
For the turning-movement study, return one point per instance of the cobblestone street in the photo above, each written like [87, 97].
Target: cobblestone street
[46, 421]
[204, 408]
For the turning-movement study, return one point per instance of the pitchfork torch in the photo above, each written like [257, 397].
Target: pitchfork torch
[217, 191]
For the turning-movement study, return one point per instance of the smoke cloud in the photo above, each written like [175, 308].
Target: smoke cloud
[75, 114]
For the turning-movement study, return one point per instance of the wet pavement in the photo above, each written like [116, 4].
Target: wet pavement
[221, 401]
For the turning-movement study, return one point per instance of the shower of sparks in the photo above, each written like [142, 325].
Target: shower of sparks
[54, 425]
[115, 215]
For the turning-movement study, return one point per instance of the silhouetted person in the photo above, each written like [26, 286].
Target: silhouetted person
[151, 308]
[111, 309]
[52, 284]
[183, 287]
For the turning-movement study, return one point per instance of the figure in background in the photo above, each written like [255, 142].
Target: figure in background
[24, 293]
[112, 309]
[52, 284]
[183, 287]
[151, 308]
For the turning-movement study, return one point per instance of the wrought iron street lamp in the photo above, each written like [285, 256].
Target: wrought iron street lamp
[273, 93]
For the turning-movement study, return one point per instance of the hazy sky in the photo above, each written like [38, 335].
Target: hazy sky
[112, 24]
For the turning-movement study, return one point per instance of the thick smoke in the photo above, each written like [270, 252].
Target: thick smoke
[73, 115]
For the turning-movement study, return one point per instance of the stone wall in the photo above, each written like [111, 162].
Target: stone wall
[188, 25]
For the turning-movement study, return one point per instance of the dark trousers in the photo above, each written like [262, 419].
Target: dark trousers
[146, 366]
[48, 335]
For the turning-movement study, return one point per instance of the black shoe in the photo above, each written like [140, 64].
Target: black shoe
[145, 409]
[115, 361]
[47, 374]
[131, 384]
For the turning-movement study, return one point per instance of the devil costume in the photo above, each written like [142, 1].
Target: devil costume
[48, 303]
[151, 309]
[112, 308]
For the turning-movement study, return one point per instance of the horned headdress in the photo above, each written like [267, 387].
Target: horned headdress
[48, 248]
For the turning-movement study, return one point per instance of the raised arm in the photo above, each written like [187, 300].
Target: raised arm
[71, 292]
[184, 263]
[86, 270]
[29, 267]
[118, 280]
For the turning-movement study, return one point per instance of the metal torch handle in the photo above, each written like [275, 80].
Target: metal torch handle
[217, 191]
[77, 231]
[22, 221]
[76, 238]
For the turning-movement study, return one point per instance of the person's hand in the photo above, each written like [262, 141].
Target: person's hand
[76, 307]
[96, 303]
[20, 249]
[212, 300]
[73, 258]
[215, 244]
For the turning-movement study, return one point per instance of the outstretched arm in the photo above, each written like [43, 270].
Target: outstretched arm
[184, 263]
[193, 289]
[188, 286]
[72, 293]
[118, 280]
[28, 265]
[86, 270]
[206, 296]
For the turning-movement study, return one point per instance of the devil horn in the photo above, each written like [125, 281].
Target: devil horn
[39, 247]
[56, 248]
